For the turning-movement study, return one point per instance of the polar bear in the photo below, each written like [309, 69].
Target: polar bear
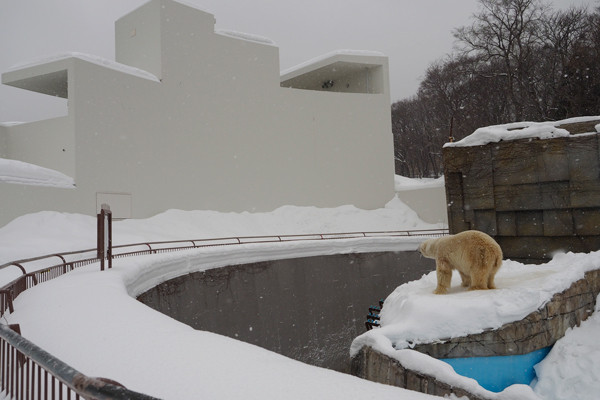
[475, 255]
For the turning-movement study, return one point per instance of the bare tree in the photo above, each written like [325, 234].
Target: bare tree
[518, 60]
[566, 35]
[507, 32]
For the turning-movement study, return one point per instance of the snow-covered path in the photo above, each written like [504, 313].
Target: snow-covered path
[91, 320]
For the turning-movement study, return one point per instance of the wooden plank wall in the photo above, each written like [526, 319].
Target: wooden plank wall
[533, 196]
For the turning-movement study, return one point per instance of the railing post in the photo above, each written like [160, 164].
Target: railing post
[7, 297]
[105, 236]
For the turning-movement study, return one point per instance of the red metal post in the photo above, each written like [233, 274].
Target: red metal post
[105, 236]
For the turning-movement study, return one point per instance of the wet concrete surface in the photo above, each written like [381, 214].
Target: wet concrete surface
[309, 309]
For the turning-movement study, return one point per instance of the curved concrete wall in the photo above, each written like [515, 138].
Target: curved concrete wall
[309, 309]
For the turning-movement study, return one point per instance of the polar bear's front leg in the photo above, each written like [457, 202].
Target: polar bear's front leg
[466, 279]
[444, 276]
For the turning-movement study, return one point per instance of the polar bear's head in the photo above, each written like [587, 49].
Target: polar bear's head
[426, 248]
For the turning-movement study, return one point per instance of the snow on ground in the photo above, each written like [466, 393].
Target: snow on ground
[61, 232]
[91, 320]
[520, 130]
[572, 369]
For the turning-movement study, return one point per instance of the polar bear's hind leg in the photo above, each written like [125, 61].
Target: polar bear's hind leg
[444, 276]
[479, 281]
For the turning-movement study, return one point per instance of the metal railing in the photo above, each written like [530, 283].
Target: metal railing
[28, 372]
[75, 259]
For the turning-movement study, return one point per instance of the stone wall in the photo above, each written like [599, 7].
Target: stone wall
[533, 196]
[539, 329]
[377, 367]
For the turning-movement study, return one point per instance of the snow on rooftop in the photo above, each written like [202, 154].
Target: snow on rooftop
[89, 58]
[19, 172]
[10, 123]
[402, 183]
[246, 36]
[321, 58]
[520, 130]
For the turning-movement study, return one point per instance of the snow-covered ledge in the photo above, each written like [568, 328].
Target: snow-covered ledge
[548, 299]
[19, 172]
[528, 130]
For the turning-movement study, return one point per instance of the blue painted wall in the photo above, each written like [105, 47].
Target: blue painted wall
[497, 373]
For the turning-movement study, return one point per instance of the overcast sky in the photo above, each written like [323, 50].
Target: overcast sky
[412, 33]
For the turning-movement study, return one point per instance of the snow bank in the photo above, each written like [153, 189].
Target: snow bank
[19, 172]
[572, 369]
[50, 232]
[519, 130]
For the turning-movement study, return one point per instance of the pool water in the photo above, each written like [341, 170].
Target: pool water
[497, 373]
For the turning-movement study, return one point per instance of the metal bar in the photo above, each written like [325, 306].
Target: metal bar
[6, 301]
[39, 382]
[25, 260]
[20, 267]
[68, 378]
[3, 365]
[27, 382]
[45, 384]
[13, 369]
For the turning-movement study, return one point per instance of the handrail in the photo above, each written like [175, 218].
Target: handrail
[11, 290]
[235, 240]
[25, 367]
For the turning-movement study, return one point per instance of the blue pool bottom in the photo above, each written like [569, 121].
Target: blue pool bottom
[497, 373]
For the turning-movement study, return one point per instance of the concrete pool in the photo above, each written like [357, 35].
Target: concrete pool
[308, 308]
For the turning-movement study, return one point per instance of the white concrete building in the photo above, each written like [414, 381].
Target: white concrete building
[190, 118]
